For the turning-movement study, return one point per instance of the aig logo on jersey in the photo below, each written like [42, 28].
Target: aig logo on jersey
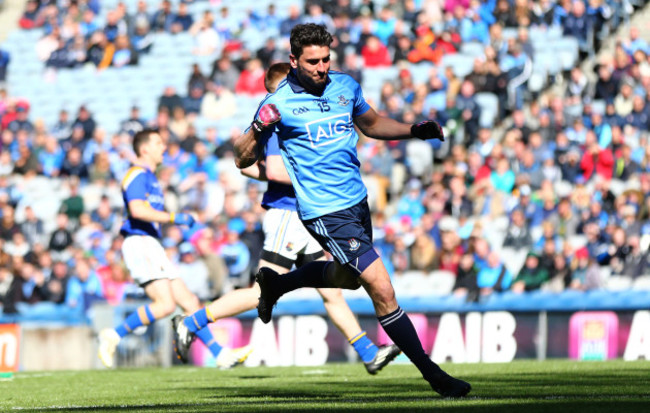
[328, 130]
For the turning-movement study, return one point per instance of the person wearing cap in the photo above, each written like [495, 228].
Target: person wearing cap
[531, 276]
[146, 259]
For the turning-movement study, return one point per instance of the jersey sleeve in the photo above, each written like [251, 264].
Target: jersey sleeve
[134, 185]
[360, 104]
[273, 145]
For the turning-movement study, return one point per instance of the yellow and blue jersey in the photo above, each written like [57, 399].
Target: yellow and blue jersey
[318, 142]
[139, 183]
[277, 195]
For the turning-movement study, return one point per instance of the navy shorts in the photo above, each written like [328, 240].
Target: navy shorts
[346, 234]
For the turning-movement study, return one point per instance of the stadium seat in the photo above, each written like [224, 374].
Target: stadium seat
[642, 283]
[489, 104]
[460, 63]
[439, 283]
[618, 283]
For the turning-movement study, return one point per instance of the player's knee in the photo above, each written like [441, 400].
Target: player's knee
[382, 292]
[167, 307]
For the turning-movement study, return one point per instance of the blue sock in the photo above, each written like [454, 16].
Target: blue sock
[364, 347]
[141, 317]
[205, 335]
[198, 320]
[400, 329]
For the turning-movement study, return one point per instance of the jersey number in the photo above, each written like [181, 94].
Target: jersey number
[324, 107]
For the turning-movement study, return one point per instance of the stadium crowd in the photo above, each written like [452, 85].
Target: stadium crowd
[558, 201]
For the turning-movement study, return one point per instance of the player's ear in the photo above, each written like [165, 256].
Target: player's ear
[293, 60]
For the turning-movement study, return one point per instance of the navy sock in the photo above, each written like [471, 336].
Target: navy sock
[309, 275]
[205, 335]
[142, 316]
[364, 347]
[400, 329]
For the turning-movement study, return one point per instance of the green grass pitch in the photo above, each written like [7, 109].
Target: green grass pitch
[522, 387]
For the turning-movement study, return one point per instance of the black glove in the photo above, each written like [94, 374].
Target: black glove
[428, 129]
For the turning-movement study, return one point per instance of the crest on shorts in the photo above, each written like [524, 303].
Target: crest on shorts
[354, 244]
[289, 246]
[343, 101]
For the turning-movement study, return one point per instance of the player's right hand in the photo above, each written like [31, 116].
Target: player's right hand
[429, 129]
[183, 219]
[268, 115]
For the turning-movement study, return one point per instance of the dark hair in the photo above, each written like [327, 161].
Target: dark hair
[275, 72]
[142, 138]
[309, 34]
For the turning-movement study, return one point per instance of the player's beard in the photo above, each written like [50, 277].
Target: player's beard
[309, 83]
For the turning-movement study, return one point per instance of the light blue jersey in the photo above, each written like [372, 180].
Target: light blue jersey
[318, 143]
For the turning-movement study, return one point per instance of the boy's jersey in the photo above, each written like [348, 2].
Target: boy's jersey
[140, 183]
[318, 142]
[278, 195]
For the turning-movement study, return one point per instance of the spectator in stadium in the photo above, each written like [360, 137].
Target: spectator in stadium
[61, 238]
[224, 73]
[21, 122]
[637, 261]
[206, 39]
[56, 285]
[518, 233]
[182, 20]
[193, 271]
[560, 274]
[32, 227]
[29, 18]
[375, 54]
[134, 123]
[192, 102]
[17, 246]
[293, 19]
[169, 100]
[218, 102]
[585, 274]
[27, 162]
[532, 276]
[493, 276]
[163, 17]
[237, 258]
[83, 287]
[86, 121]
[466, 279]
[26, 286]
[73, 165]
[251, 79]
[124, 53]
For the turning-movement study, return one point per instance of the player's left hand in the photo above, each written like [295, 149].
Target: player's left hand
[428, 129]
[183, 219]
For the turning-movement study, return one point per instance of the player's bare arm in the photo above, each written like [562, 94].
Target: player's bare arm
[247, 148]
[256, 171]
[276, 171]
[383, 128]
[140, 209]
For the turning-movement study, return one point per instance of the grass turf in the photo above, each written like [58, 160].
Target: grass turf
[522, 386]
